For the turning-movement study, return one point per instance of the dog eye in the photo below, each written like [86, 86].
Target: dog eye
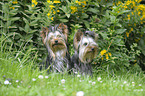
[85, 44]
[58, 35]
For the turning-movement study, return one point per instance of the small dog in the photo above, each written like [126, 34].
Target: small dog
[86, 50]
[55, 40]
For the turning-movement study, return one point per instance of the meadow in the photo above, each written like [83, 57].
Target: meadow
[118, 69]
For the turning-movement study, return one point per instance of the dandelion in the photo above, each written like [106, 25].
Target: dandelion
[99, 78]
[6, 82]
[63, 81]
[80, 93]
[103, 52]
[40, 77]
[33, 79]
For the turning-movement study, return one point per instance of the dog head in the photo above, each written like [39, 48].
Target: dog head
[85, 45]
[55, 39]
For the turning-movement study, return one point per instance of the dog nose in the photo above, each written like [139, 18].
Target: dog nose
[56, 41]
[92, 49]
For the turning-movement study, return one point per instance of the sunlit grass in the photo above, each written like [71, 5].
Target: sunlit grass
[25, 79]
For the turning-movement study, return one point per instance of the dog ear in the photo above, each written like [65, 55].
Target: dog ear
[44, 34]
[96, 37]
[77, 38]
[64, 29]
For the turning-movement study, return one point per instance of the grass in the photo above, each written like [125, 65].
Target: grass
[26, 80]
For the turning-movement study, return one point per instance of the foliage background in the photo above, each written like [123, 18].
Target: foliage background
[120, 25]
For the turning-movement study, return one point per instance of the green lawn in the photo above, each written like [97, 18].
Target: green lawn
[25, 80]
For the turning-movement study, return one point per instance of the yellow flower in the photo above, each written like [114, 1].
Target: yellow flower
[103, 52]
[54, 12]
[131, 29]
[107, 56]
[33, 5]
[51, 6]
[128, 17]
[48, 1]
[48, 14]
[14, 2]
[51, 18]
[127, 34]
[78, 2]
[56, 1]
[58, 11]
[84, 2]
[73, 8]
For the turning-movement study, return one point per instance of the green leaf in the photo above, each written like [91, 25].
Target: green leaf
[14, 18]
[68, 15]
[63, 20]
[84, 15]
[93, 10]
[120, 31]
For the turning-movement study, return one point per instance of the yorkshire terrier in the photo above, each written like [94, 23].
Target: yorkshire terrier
[86, 49]
[55, 40]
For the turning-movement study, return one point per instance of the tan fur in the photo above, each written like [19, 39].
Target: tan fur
[77, 39]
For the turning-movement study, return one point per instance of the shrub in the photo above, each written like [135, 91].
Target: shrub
[120, 25]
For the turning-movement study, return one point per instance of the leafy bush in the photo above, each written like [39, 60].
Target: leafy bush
[120, 25]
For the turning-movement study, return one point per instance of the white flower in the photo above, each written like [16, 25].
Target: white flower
[63, 81]
[18, 86]
[78, 75]
[6, 82]
[33, 79]
[133, 84]
[46, 76]
[90, 81]
[114, 81]
[124, 82]
[40, 76]
[93, 83]
[17, 80]
[76, 72]
[99, 78]
[80, 93]
[139, 85]
[101, 81]
[80, 80]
